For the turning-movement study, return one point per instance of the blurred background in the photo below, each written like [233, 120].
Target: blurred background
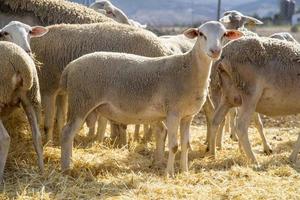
[158, 13]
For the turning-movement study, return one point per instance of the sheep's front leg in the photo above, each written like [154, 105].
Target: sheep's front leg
[160, 138]
[218, 117]
[102, 123]
[220, 133]
[36, 135]
[172, 123]
[259, 126]
[136, 136]
[68, 134]
[4, 147]
[147, 133]
[184, 140]
[294, 154]
[48, 102]
[243, 121]
[91, 123]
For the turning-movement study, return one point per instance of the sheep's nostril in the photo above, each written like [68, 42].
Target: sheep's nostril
[28, 51]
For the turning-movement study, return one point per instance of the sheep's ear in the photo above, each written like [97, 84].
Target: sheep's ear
[17, 80]
[233, 34]
[252, 20]
[38, 31]
[191, 33]
[225, 19]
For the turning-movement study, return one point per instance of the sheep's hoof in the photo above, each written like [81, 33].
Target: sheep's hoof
[207, 149]
[169, 174]
[257, 167]
[268, 151]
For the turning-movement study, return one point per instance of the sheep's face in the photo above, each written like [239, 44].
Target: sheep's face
[234, 19]
[211, 37]
[20, 34]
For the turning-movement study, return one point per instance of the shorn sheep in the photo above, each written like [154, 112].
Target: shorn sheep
[258, 75]
[284, 36]
[107, 8]
[134, 89]
[47, 12]
[66, 42]
[18, 85]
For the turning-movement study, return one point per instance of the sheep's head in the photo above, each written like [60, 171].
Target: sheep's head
[20, 34]
[211, 37]
[234, 19]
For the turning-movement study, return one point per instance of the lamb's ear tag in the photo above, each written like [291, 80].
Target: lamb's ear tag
[17, 80]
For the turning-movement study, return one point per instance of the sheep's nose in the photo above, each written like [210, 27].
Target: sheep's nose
[215, 52]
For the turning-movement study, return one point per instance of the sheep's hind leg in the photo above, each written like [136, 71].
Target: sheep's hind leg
[68, 134]
[49, 111]
[136, 136]
[172, 126]
[233, 115]
[160, 138]
[4, 147]
[91, 123]
[36, 135]
[260, 129]
[209, 109]
[184, 140]
[102, 123]
[61, 102]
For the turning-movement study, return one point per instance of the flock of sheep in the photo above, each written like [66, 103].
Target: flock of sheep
[97, 68]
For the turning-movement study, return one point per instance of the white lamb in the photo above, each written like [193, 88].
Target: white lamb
[132, 89]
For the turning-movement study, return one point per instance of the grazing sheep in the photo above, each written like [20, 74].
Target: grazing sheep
[284, 36]
[234, 19]
[133, 89]
[258, 75]
[66, 42]
[47, 12]
[18, 85]
[107, 8]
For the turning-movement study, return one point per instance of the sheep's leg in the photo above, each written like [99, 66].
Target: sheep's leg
[294, 154]
[259, 126]
[184, 140]
[218, 117]
[227, 123]
[67, 138]
[233, 115]
[118, 134]
[243, 120]
[49, 111]
[136, 136]
[36, 135]
[102, 123]
[208, 108]
[62, 108]
[91, 123]
[4, 147]
[220, 133]
[160, 138]
[147, 133]
[172, 126]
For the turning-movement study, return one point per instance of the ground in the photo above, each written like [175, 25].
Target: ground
[102, 172]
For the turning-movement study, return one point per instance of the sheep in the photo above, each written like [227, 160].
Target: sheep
[135, 89]
[66, 42]
[18, 85]
[111, 11]
[235, 20]
[177, 43]
[258, 75]
[47, 12]
[284, 36]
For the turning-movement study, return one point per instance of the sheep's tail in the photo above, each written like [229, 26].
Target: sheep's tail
[63, 84]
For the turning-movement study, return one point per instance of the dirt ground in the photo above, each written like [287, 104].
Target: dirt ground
[102, 172]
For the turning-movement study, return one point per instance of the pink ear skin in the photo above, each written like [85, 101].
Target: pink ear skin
[191, 33]
[233, 34]
[38, 31]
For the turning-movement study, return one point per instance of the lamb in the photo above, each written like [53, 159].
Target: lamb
[18, 85]
[77, 41]
[134, 89]
[107, 8]
[284, 36]
[47, 12]
[262, 78]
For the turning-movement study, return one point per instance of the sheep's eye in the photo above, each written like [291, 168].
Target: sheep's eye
[5, 33]
[30, 32]
[202, 35]
[2, 34]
